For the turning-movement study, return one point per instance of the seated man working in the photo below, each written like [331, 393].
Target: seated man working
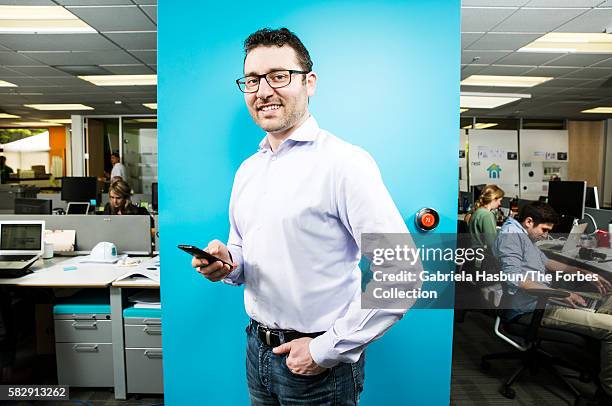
[518, 255]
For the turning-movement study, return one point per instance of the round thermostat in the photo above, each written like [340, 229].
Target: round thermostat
[427, 219]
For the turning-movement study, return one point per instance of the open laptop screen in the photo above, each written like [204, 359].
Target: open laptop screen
[21, 237]
[77, 208]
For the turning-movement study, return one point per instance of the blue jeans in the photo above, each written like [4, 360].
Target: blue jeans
[271, 383]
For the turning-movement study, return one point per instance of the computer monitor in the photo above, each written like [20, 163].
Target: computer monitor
[592, 198]
[79, 189]
[32, 206]
[154, 196]
[567, 197]
[476, 192]
[77, 208]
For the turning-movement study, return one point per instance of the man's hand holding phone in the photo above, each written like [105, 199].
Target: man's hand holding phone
[217, 270]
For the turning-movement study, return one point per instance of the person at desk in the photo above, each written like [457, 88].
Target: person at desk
[5, 170]
[119, 194]
[518, 254]
[482, 224]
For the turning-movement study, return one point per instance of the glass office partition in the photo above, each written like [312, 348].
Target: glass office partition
[101, 139]
[140, 152]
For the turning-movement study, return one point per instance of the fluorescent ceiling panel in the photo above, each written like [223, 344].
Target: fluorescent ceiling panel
[7, 84]
[560, 42]
[40, 20]
[504, 81]
[32, 124]
[600, 110]
[463, 110]
[121, 80]
[58, 106]
[152, 106]
[485, 102]
[58, 121]
[6, 115]
[482, 126]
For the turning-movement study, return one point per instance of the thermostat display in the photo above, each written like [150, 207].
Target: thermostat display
[427, 219]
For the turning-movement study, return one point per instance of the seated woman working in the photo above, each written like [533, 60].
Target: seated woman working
[119, 194]
[482, 224]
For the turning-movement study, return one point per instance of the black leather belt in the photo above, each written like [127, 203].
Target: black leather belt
[274, 338]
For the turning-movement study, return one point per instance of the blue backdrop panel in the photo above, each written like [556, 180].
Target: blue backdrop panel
[388, 81]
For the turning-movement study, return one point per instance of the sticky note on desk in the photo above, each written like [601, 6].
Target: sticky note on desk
[70, 268]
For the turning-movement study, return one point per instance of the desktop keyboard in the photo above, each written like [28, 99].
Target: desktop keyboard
[551, 246]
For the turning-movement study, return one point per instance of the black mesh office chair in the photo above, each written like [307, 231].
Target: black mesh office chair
[538, 347]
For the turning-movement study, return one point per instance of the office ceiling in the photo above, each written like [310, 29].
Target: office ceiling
[493, 30]
[43, 65]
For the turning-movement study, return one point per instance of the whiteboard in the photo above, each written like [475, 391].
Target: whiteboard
[493, 159]
[541, 157]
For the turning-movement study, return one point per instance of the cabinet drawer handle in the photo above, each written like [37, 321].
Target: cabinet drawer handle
[152, 331]
[154, 322]
[85, 326]
[153, 354]
[85, 348]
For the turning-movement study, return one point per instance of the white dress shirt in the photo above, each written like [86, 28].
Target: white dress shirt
[296, 219]
[118, 171]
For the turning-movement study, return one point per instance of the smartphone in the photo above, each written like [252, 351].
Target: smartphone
[198, 253]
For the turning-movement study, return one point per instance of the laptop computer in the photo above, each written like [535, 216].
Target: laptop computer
[21, 244]
[571, 243]
[77, 208]
[593, 302]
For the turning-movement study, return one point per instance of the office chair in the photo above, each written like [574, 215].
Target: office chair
[474, 295]
[531, 342]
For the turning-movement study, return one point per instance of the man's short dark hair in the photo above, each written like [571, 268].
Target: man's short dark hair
[539, 212]
[116, 155]
[267, 37]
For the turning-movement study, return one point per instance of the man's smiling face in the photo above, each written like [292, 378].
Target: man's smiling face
[278, 111]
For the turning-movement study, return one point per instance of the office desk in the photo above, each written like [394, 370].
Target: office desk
[51, 274]
[571, 258]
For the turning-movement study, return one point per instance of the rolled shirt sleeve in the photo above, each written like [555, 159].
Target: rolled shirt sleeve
[234, 246]
[364, 206]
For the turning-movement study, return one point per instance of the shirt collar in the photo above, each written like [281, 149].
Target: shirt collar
[304, 133]
[511, 222]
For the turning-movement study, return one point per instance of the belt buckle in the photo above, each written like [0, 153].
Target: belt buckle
[268, 337]
[266, 333]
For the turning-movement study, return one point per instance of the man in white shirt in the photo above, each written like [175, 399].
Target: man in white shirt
[118, 171]
[297, 212]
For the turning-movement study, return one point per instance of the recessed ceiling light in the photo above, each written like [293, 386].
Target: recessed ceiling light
[476, 100]
[59, 121]
[504, 81]
[58, 106]
[564, 42]
[479, 126]
[121, 80]
[6, 115]
[40, 20]
[4, 83]
[31, 124]
[118, 102]
[152, 106]
[600, 110]
[462, 110]
[141, 120]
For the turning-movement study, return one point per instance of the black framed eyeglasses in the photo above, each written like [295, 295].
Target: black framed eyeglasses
[276, 79]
